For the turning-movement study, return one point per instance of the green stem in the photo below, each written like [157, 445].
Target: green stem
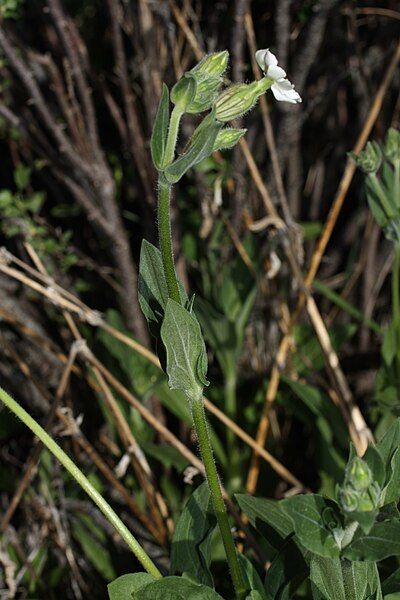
[165, 238]
[200, 423]
[85, 484]
[381, 195]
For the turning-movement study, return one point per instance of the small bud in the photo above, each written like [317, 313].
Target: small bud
[349, 499]
[370, 159]
[214, 64]
[392, 145]
[206, 93]
[239, 98]
[228, 138]
[184, 91]
[208, 75]
[365, 502]
[359, 474]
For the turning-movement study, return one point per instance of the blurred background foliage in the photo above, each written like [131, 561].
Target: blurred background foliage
[79, 87]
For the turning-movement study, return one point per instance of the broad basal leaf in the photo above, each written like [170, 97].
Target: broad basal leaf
[123, 587]
[176, 588]
[307, 514]
[191, 551]
[381, 542]
[269, 518]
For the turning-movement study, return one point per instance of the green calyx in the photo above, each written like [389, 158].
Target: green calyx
[239, 98]
[392, 146]
[184, 92]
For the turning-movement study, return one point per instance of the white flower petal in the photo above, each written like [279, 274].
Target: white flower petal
[260, 58]
[284, 91]
[275, 72]
[270, 59]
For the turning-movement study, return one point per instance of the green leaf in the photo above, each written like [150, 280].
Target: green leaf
[186, 352]
[389, 345]
[160, 130]
[200, 147]
[391, 491]
[95, 552]
[339, 579]
[22, 176]
[191, 545]
[252, 579]
[123, 587]
[388, 448]
[176, 588]
[391, 585]
[268, 517]
[375, 462]
[153, 291]
[287, 571]
[307, 514]
[382, 541]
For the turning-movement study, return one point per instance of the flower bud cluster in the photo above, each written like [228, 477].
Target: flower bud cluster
[359, 491]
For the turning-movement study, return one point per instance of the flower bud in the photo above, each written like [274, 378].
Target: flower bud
[365, 502]
[348, 499]
[359, 474]
[392, 145]
[239, 98]
[228, 138]
[184, 91]
[208, 75]
[370, 159]
[214, 64]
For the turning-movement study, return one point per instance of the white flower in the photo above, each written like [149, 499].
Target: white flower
[281, 88]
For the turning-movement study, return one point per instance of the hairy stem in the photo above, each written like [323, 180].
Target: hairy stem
[200, 423]
[165, 239]
[85, 484]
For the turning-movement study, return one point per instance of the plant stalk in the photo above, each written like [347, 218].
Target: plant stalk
[82, 480]
[165, 239]
[200, 423]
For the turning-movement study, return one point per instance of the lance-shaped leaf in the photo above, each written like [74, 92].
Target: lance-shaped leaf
[186, 352]
[200, 147]
[191, 545]
[153, 291]
[228, 138]
[160, 130]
